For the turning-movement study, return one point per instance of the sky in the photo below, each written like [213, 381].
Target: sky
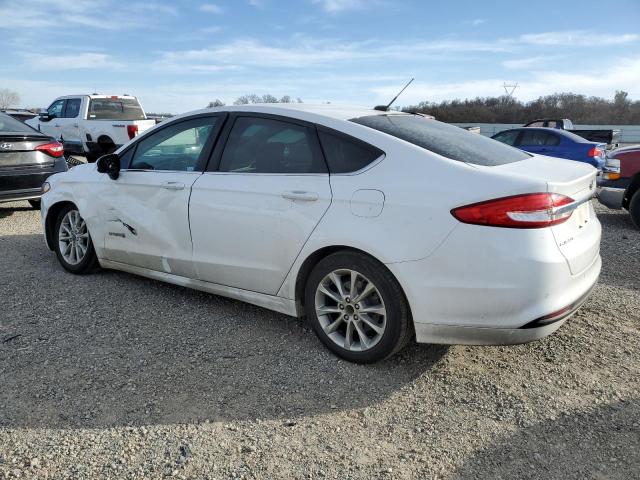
[177, 56]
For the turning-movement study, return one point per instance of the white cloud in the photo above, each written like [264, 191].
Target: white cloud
[336, 6]
[622, 74]
[476, 22]
[257, 3]
[303, 52]
[528, 63]
[211, 8]
[580, 38]
[24, 15]
[79, 61]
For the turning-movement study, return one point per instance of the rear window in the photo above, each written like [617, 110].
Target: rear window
[11, 125]
[115, 109]
[446, 140]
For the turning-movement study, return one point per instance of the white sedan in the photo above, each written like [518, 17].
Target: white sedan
[379, 227]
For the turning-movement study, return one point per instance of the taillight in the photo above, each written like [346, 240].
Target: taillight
[53, 149]
[132, 131]
[596, 152]
[611, 169]
[530, 210]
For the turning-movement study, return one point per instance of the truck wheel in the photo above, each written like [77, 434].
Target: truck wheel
[634, 208]
[106, 145]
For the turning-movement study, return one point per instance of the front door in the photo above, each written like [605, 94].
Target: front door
[51, 127]
[146, 209]
[251, 216]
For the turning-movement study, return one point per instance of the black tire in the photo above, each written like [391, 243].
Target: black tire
[35, 204]
[88, 263]
[634, 208]
[91, 157]
[398, 330]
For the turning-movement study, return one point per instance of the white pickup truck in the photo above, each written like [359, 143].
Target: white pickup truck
[92, 125]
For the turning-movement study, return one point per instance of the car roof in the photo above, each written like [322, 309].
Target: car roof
[302, 111]
[563, 133]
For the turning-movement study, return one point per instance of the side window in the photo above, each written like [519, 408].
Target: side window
[346, 156]
[536, 124]
[509, 137]
[72, 109]
[262, 145]
[552, 140]
[55, 110]
[178, 147]
[552, 124]
[533, 138]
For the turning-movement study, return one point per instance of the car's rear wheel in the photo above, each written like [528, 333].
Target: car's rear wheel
[73, 244]
[634, 208]
[357, 308]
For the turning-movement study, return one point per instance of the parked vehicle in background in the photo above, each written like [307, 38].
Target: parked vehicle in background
[27, 159]
[619, 186]
[554, 143]
[93, 125]
[609, 137]
[21, 114]
[324, 211]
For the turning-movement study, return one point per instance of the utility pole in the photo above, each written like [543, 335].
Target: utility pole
[509, 88]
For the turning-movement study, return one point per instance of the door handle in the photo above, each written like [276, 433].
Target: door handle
[172, 185]
[300, 195]
[75, 125]
[56, 124]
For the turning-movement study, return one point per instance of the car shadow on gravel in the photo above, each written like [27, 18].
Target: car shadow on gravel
[602, 443]
[113, 349]
[8, 211]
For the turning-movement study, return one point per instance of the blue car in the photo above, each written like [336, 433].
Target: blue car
[555, 143]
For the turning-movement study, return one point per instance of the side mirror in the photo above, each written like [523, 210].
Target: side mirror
[44, 116]
[109, 164]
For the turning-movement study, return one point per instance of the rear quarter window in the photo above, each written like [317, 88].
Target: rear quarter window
[451, 142]
[345, 155]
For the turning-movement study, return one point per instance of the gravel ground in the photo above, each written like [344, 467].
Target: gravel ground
[114, 376]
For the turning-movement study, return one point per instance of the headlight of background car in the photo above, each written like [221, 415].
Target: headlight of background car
[46, 186]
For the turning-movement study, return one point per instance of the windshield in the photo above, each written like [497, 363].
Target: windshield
[115, 109]
[446, 140]
[11, 125]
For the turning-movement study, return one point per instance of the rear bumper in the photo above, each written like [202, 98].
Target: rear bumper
[464, 335]
[610, 197]
[26, 183]
[483, 285]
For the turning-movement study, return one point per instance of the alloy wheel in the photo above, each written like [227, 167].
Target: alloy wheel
[350, 310]
[73, 238]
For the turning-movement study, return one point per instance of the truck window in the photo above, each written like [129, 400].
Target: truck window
[115, 109]
[72, 109]
[56, 108]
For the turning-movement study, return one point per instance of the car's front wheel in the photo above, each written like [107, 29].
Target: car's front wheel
[357, 308]
[73, 244]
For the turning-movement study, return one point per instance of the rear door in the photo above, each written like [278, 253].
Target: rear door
[146, 208]
[251, 216]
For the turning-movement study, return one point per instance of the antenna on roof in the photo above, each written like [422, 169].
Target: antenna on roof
[385, 108]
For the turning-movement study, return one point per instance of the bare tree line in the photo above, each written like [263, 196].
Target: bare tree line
[8, 98]
[253, 98]
[578, 108]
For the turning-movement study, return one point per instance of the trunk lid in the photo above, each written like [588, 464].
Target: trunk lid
[578, 238]
[19, 151]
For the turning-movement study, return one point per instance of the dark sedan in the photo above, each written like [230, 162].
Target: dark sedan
[27, 159]
[555, 143]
